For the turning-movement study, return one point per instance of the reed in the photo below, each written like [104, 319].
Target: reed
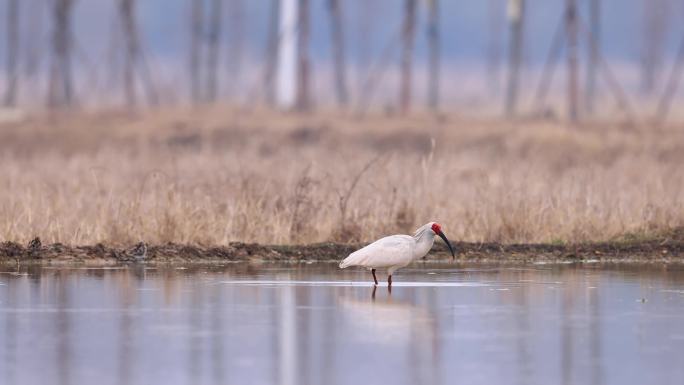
[216, 175]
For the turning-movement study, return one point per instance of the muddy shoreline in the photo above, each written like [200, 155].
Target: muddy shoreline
[655, 251]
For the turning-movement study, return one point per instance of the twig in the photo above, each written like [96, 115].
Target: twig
[344, 198]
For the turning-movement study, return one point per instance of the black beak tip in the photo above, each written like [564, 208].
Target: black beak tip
[451, 249]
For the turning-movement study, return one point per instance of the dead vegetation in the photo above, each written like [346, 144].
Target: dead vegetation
[213, 176]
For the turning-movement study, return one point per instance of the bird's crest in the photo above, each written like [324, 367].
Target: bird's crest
[424, 228]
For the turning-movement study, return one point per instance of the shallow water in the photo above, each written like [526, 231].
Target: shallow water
[315, 324]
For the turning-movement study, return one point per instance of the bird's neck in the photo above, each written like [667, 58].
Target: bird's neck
[424, 241]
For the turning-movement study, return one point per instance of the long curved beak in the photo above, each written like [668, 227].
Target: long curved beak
[441, 235]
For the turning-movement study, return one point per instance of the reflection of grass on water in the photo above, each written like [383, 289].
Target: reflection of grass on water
[213, 176]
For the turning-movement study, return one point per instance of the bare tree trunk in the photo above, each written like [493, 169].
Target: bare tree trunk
[60, 92]
[571, 29]
[494, 46]
[12, 52]
[130, 51]
[197, 13]
[550, 64]
[653, 43]
[408, 32]
[272, 52]
[287, 75]
[33, 41]
[114, 49]
[213, 50]
[134, 59]
[366, 18]
[237, 38]
[594, 44]
[337, 33]
[516, 17]
[434, 56]
[65, 47]
[671, 85]
[303, 65]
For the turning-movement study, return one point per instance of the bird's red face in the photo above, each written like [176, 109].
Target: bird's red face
[436, 228]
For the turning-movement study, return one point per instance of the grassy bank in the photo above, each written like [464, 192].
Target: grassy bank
[213, 176]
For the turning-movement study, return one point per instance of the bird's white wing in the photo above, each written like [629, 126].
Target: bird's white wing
[385, 252]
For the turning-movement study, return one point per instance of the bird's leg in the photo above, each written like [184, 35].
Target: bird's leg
[375, 287]
[374, 277]
[389, 281]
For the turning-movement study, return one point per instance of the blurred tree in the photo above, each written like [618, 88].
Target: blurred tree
[272, 44]
[60, 89]
[594, 47]
[33, 42]
[408, 32]
[434, 54]
[236, 44]
[11, 55]
[655, 25]
[516, 21]
[567, 34]
[214, 40]
[288, 70]
[134, 59]
[337, 33]
[494, 45]
[206, 26]
[128, 27]
[671, 85]
[555, 50]
[367, 9]
[196, 15]
[571, 30]
[303, 102]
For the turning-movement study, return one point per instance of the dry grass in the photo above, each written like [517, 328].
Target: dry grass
[213, 175]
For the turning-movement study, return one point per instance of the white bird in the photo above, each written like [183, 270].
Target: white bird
[396, 251]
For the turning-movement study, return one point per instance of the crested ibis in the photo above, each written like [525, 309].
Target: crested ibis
[396, 251]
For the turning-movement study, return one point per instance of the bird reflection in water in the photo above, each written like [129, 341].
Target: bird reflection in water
[404, 327]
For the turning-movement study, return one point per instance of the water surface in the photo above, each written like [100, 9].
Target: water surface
[314, 324]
